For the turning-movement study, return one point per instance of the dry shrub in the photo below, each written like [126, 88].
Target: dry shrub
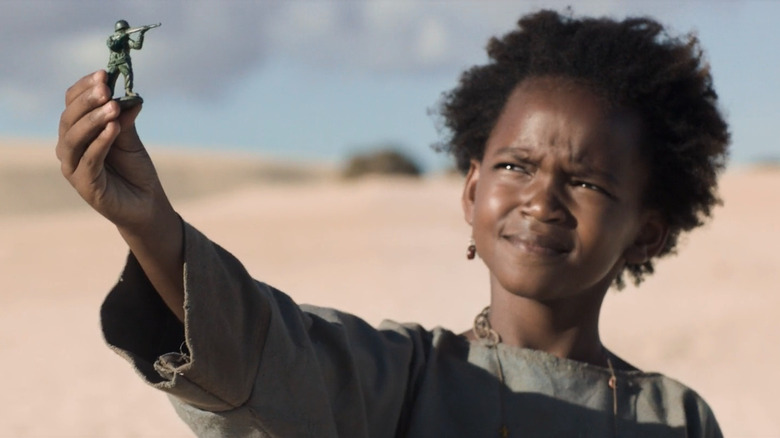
[381, 162]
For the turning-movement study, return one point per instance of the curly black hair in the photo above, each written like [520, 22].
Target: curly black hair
[634, 64]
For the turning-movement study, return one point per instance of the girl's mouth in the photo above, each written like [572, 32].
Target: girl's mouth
[540, 244]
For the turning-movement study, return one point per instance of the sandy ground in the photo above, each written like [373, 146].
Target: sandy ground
[708, 317]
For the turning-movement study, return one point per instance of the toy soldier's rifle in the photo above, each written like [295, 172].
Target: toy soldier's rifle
[142, 28]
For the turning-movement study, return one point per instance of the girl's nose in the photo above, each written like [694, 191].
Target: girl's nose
[542, 200]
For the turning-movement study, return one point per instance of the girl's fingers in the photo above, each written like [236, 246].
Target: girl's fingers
[90, 97]
[91, 166]
[90, 80]
[81, 135]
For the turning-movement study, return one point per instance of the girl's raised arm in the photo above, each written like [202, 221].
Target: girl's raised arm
[103, 158]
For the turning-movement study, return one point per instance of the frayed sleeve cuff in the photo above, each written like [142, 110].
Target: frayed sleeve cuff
[211, 360]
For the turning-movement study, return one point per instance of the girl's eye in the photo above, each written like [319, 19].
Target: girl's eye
[590, 186]
[512, 167]
[593, 187]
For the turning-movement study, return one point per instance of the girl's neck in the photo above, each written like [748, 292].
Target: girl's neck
[567, 328]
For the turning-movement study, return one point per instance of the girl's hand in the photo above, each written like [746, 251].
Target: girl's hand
[103, 158]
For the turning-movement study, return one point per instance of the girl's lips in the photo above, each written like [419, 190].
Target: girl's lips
[539, 244]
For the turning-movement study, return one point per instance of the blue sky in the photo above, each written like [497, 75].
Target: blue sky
[315, 81]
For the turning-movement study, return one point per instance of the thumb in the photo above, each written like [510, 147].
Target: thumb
[127, 117]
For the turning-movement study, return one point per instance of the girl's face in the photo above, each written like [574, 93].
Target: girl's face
[555, 203]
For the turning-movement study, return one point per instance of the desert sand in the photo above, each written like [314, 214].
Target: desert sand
[380, 248]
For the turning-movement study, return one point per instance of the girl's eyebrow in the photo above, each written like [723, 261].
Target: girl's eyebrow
[582, 165]
[516, 151]
[583, 168]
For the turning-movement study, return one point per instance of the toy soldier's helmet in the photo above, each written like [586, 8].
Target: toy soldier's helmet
[121, 25]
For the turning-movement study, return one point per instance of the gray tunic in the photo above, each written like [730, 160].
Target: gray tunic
[248, 361]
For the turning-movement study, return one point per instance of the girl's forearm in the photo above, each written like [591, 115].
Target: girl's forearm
[158, 248]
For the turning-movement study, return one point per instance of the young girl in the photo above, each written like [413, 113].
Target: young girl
[589, 146]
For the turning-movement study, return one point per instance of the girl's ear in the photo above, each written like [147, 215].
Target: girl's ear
[470, 191]
[649, 241]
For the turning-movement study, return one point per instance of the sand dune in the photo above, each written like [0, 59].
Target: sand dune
[707, 318]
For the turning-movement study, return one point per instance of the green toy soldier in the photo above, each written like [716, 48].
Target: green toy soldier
[120, 44]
